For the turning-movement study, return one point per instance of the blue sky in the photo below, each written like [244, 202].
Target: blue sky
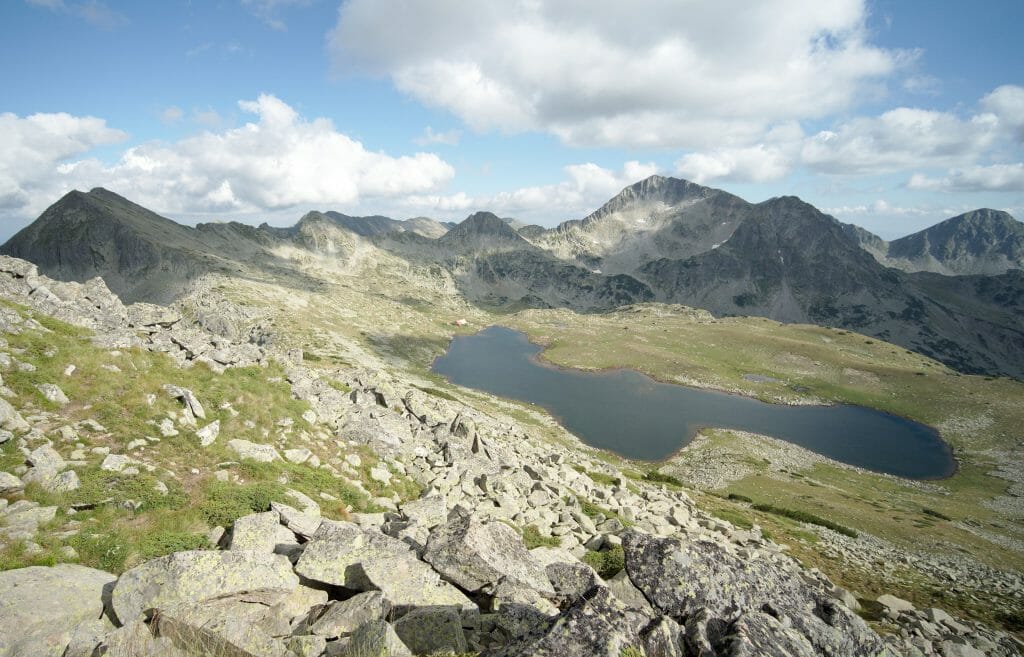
[892, 114]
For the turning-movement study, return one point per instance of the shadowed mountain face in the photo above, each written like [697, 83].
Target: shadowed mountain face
[661, 239]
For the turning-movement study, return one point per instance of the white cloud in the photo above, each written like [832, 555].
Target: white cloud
[449, 138]
[587, 186]
[991, 178]
[280, 160]
[756, 163]
[647, 73]
[31, 149]
[898, 139]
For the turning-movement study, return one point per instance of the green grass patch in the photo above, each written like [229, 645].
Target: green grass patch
[607, 563]
[662, 478]
[803, 516]
[935, 514]
[734, 517]
[532, 538]
[435, 392]
[224, 502]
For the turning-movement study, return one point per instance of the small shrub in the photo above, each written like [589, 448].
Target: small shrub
[159, 544]
[810, 518]
[1012, 621]
[935, 514]
[532, 538]
[226, 502]
[740, 498]
[604, 479]
[662, 478]
[607, 563]
[441, 394]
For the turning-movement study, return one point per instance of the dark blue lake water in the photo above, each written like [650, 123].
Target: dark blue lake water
[633, 415]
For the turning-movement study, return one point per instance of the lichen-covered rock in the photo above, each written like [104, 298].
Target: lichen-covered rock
[571, 580]
[408, 583]
[254, 451]
[596, 625]
[759, 635]
[10, 484]
[46, 464]
[239, 625]
[475, 555]
[40, 607]
[188, 398]
[702, 580]
[256, 531]
[198, 575]
[662, 638]
[10, 419]
[343, 617]
[302, 524]
[378, 639]
[338, 546]
[432, 630]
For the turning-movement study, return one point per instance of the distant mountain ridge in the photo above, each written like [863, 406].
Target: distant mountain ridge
[661, 239]
[982, 241]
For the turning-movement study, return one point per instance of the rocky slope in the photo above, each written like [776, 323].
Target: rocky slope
[627, 568]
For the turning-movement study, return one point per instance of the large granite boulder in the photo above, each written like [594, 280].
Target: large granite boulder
[197, 575]
[596, 625]
[703, 585]
[40, 607]
[343, 554]
[477, 556]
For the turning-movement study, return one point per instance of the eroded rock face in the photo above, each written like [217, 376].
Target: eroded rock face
[40, 607]
[475, 555]
[197, 575]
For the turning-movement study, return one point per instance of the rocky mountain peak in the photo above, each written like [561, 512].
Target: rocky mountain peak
[483, 230]
[656, 189]
[982, 241]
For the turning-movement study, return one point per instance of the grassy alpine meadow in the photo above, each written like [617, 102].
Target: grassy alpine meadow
[178, 490]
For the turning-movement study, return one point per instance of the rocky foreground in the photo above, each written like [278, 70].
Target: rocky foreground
[448, 573]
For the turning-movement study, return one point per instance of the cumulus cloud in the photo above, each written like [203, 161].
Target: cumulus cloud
[900, 139]
[278, 161]
[585, 188]
[601, 72]
[991, 178]
[32, 148]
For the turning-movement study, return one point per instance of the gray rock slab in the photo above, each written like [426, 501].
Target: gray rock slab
[40, 607]
[473, 554]
[198, 575]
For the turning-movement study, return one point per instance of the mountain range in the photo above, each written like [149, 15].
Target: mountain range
[954, 291]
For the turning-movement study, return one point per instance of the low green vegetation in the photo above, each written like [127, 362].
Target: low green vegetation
[608, 562]
[532, 538]
[803, 516]
[123, 518]
[662, 478]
